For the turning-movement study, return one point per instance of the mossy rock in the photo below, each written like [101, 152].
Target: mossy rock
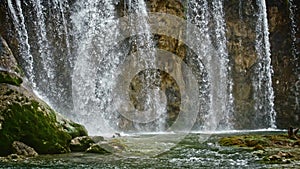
[231, 141]
[81, 144]
[99, 149]
[25, 118]
[255, 140]
[10, 78]
[72, 128]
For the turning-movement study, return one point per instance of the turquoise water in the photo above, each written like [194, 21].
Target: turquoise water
[191, 152]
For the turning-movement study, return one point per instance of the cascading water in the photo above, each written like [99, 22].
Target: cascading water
[151, 105]
[225, 89]
[24, 47]
[198, 14]
[93, 85]
[219, 82]
[44, 57]
[264, 95]
[77, 46]
[43, 50]
[95, 66]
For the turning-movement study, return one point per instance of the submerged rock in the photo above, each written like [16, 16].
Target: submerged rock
[258, 147]
[97, 139]
[105, 147]
[26, 118]
[272, 149]
[98, 148]
[280, 157]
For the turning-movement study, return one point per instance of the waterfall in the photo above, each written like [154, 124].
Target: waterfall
[225, 89]
[94, 98]
[80, 58]
[218, 89]
[65, 28]
[264, 95]
[44, 49]
[151, 106]
[95, 65]
[24, 46]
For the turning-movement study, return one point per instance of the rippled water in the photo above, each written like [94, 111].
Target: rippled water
[188, 153]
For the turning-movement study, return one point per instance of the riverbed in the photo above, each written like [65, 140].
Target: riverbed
[194, 150]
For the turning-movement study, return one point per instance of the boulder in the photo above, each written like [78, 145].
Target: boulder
[20, 148]
[97, 139]
[107, 147]
[99, 149]
[81, 144]
[26, 118]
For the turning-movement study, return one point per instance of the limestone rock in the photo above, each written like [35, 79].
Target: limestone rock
[74, 129]
[97, 148]
[26, 118]
[14, 157]
[7, 61]
[10, 72]
[280, 157]
[81, 143]
[97, 139]
[23, 149]
[104, 147]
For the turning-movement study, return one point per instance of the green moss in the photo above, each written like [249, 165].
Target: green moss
[231, 141]
[96, 148]
[36, 128]
[9, 78]
[76, 130]
[254, 140]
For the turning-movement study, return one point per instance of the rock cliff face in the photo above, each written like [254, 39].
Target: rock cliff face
[241, 23]
[241, 36]
[285, 60]
[26, 118]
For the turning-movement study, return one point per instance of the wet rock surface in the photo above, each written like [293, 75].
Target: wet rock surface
[272, 149]
[20, 148]
[26, 118]
[80, 144]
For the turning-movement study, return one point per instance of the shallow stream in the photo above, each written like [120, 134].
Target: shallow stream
[196, 150]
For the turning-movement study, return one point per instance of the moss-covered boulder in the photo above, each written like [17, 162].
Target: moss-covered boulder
[26, 118]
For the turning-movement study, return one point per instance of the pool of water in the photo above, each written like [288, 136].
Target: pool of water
[195, 150]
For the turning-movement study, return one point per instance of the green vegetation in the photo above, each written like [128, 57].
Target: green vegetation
[29, 124]
[10, 78]
[281, 140]
[25, 118]
[273, 149]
